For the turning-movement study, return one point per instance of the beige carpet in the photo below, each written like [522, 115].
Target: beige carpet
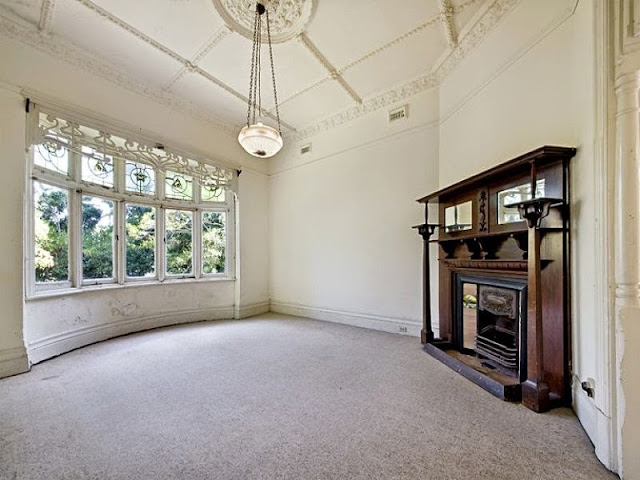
[273, 397]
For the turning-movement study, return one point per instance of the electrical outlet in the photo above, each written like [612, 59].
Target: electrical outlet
[403, 329]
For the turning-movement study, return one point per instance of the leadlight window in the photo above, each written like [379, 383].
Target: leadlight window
[212, 193]
[178, 186]
[52, 155]
[99, 217]
[140, 178]
[97, 168]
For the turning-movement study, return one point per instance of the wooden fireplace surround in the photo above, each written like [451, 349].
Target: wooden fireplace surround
[535, 249]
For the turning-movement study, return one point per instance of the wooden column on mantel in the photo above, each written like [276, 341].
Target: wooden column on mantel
[535, 390]
[426, 230]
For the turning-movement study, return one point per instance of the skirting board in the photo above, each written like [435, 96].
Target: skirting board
[51, 346]
[598, 426]
[373, 322]
[253, 309]
[13, 361]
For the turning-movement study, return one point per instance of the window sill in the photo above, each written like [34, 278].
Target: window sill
[63, 292]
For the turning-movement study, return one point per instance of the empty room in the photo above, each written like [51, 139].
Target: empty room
[319, 239]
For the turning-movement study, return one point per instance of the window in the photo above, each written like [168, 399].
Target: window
[179, 242]
[51, 233]
[111, 210]
[141, 241]
[97, 238]
[213, 242]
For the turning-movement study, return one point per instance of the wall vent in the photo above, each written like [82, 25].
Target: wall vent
[305, 149]
[398, 113]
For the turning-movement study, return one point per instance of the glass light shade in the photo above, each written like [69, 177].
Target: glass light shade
[260, 140]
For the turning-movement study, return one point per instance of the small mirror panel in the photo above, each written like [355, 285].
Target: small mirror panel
[459, 217]
[514, 195]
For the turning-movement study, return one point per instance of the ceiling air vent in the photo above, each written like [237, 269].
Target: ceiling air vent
[305, 149]
[399, 113]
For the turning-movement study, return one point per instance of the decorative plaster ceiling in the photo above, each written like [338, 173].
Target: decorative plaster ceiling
[335, 60]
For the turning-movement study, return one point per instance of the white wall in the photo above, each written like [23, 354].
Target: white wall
[13, 358]
[531, 83]
[342, 247]
[253, 233]
[56, 324]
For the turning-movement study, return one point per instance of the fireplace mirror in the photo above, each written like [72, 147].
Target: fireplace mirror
[513, 195]
[458, 217]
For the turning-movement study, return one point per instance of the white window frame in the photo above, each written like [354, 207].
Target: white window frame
[77, 188]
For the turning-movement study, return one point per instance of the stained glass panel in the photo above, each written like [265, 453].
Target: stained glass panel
[140, 178]
[178, 186]
[52, 156]
[97, 168]
[210, 192]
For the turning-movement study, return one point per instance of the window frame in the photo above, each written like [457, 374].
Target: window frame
[121, 197]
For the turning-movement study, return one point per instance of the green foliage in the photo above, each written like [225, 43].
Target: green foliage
[52, 236]
[141, 239]
[179, 242]
[213, 242]
[52, 239]
[97, 239]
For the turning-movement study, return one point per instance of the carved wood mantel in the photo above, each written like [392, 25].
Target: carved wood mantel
[509, 223]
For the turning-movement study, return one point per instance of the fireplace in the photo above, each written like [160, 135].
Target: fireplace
[490, 322]
[503, 282]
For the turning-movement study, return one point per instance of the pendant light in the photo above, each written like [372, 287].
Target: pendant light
[256, 138]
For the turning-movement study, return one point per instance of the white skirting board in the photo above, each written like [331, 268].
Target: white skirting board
[13, 361]
[598, 426]
[253, 309]
[373, 322]
[51, 346]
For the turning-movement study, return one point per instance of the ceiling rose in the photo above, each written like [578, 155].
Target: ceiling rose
[288, 18]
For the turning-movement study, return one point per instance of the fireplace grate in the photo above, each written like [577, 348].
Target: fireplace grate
[493, 342]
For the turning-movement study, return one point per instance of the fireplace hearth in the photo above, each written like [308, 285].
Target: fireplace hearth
[503, 278]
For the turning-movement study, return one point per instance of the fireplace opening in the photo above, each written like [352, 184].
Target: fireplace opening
[491, 322]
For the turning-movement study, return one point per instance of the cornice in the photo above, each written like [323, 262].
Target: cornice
[376, 103]
[26, 33]
[496, 11]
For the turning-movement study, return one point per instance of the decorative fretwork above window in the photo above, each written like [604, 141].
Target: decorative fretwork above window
[55, 136]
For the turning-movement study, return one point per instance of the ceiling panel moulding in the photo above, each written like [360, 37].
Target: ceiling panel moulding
[478, 24]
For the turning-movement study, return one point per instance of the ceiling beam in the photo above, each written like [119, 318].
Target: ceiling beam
[446, 17]
[204, 50]
[46, 16]
[333, 71]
